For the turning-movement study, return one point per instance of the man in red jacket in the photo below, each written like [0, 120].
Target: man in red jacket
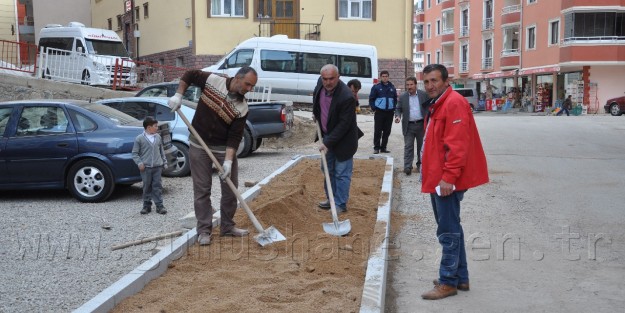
[452, 162]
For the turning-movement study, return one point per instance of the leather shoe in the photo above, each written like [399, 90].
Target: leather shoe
[324, 204]
[376, 151]
[418, 168]
[461, 286]
[407, 171]
[235, 232]
[385, 151]
[204, 239]
[440, 292]
[146, 210]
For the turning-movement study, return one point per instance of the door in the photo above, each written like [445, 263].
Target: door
[284, 16]
[40, 148]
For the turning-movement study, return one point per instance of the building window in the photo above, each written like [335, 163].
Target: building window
[438, 56]
[448, 22]
[137, 13]
[531, 38]
[356, 9]
[487, 54]
[438, 27]
[119, 22]
[146, 12]
[531, 1]
[229, 8]
[554, 32]
[110, 23]
[429, 31]
[179, 62]
[510, 41]
[464, 58]
[464, 23]
[594, 26]
[429, 6]
[428, 58]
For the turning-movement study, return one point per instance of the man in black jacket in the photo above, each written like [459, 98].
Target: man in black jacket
[334, 109]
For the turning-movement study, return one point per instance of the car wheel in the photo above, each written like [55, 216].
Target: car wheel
[90, 181]
[259, 141]
[181, 166]
[245, 147]
[86, 78]
[615, 110]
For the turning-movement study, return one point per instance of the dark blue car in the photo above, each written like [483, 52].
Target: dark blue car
[58, 144]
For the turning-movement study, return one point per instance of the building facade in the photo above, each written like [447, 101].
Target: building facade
[534, 52]
[198, 33]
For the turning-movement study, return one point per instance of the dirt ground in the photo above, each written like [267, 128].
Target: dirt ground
[309, 272]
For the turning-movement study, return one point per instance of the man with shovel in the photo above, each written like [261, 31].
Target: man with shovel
[334, 109]
[219, 120]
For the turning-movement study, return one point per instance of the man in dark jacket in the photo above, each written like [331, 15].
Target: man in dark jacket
[410, 111]
[382, 100]
[334, 109]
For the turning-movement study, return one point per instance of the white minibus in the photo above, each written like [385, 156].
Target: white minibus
[291, 66]
[76, 53]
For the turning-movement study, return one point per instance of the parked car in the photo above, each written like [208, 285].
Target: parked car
[615, 106]
[264, 120]
[69, 144]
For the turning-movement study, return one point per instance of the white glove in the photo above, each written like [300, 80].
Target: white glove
[174, 102]
[227, 166]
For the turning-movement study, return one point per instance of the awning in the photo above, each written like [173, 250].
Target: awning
[493, 75]
[546, 69]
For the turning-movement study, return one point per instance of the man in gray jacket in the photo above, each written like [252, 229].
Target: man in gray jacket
[411, 112]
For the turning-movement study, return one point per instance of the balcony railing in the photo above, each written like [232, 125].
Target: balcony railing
[597, 39]
[447, 31]
[310, 31]
[487, 63]
[464, 31]
[509, 52]
[511, 9]
[487, 24]
[448, 64]
[464, 67]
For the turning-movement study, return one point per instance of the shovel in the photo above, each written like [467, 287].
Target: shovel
[335, 228]
[264, 237]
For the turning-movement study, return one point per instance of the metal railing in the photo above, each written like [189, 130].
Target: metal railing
[18, 56]
[487, 24]
[464, 31]
[487, 63]
[447, 31]
[464, 67]
[511, 9]
[595, 39]
[310, 31]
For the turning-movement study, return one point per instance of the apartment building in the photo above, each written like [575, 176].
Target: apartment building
[534, 52]
[197, 33]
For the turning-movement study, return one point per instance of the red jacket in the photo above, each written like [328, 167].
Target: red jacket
[452, 148]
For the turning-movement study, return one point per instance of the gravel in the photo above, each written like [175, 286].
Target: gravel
[56, 254]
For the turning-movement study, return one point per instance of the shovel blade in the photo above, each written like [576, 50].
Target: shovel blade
[269, 236]
[338, 228]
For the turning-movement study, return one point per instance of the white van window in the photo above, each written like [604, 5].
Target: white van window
[278, 61]
[313, 62]
[57, 43]
[104, 47]
[239, 59]
[354, 66]
[80, 47]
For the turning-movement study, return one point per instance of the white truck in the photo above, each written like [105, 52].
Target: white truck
[80, 54]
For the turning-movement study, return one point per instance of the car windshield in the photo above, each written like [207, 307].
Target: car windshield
[118, 117]
[105, 47]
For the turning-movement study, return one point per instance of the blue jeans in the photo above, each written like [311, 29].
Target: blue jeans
[340, 178]
[453, 269]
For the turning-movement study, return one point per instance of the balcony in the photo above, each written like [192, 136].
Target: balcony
[447, 35]
[310, 31]
[487, 64]
[510, 58]
[487, 24]
[464, 31]
[446, 4]
[511, 14]
[464, 67]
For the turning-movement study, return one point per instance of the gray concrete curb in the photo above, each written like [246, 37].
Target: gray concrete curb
[375, 279]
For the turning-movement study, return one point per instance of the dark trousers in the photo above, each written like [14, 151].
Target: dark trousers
[202, 175]
[414, 133]
[453, 268]
[383, 122]
[152, 186]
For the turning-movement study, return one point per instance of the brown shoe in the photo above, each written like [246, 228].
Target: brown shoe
[440, 292]
[235, 232]
[461, 286]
